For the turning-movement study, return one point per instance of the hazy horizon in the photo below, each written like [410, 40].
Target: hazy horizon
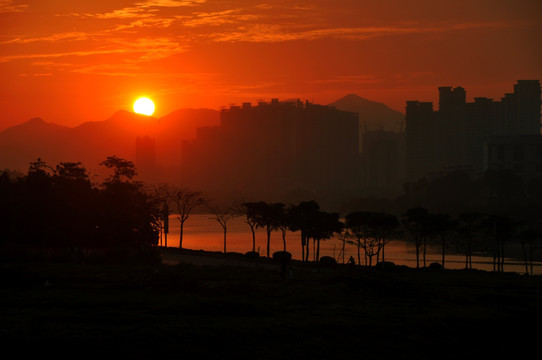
[72, 62]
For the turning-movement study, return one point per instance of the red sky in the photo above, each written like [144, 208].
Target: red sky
[73, 61]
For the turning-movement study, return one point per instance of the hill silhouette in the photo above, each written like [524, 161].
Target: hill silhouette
[91, 142]
[372, 115]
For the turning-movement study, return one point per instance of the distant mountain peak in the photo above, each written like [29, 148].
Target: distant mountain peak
[372, 115]
[36, 120]
[354, 101]
[353, 97]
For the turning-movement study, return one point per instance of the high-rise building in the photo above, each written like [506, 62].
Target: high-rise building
[276, 148]
[419, 137]
[382, 163]
[526, 118]
[455, 137]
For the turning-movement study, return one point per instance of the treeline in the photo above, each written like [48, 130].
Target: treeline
[53, 209]
[467, 214]
[454, 213]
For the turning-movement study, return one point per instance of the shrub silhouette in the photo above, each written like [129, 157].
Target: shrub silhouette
[328, 261]
[282, 256]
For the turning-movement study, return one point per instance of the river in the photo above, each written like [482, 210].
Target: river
[203, 232]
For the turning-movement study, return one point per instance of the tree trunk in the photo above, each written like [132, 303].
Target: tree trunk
[253, 239]
[308, 246]
[181, 236]
[531, 251]
[417, 254]
[303, 240]
[359, 251]
[525, 257]
[495, 254]
[318, 250]
[284, 239]
[224, 239]
[268, 239]
[424, 251]
[443, 250]
[502, 256]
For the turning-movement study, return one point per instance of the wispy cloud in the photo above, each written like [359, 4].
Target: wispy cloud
[67, 36]
[218, 18]
[145, 49]
[8, 6]
[143, 9]
[279, 33]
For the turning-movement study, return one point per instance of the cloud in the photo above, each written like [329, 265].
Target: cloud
[144, 9]
[279, 33]
[218, 18]
[71, 36]
[144, 49]
[7, 6]
[169, 3]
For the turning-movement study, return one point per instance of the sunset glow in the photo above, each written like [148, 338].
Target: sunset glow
[144, 106]
[208, 54]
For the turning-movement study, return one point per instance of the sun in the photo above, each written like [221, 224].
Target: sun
[144, 106]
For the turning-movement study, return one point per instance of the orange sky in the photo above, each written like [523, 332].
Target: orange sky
[74, 61]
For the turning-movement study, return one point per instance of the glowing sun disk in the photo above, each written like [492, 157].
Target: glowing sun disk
[144, 106]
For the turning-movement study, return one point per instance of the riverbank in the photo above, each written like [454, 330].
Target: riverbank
[226, 310]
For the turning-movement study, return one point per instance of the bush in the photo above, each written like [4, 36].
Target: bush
[282, 256]
[252, 255]
[328, 261]
[385, 265]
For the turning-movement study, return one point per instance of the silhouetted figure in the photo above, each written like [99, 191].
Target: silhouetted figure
[351, 261]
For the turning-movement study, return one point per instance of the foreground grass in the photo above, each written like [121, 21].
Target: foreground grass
[251, 312]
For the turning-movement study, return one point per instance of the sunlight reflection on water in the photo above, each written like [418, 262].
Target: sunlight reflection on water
[203, 232]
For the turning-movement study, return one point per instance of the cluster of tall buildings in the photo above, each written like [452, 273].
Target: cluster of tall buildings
[290, 150]
[475, 136]
[276, 150]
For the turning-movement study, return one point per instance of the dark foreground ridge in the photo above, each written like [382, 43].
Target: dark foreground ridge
[228, 311]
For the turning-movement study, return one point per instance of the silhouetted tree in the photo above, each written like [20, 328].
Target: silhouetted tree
[358, 223]
[268, 216]
[324, 226]
[416, 223]
[301, 218]
[441, 227]
[529, 239]
[184, 201]
[123, 170]
[283, 223]
[223, 214]
[250, 211]
[384, 227]
[344, 238]
[499, 228]
[469, 225]
[75, 201]
[55, 209]
[160, 194]
[129, 215]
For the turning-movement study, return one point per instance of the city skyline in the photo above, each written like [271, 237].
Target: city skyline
[72, 62]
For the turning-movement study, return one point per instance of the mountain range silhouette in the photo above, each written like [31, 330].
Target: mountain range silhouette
[91, 142]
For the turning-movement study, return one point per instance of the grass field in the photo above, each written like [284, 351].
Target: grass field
[189, 311]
